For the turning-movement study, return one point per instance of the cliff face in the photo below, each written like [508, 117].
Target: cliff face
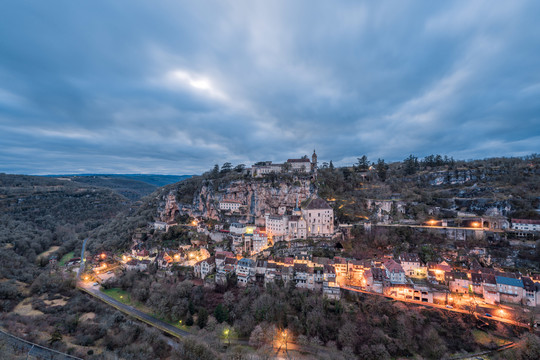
[256, 197]
[464, 176]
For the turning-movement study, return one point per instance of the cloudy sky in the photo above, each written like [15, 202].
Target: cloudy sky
[173, 87]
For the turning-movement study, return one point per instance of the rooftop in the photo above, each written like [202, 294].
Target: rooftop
[317, 204]
[526, 221]
[509, 281]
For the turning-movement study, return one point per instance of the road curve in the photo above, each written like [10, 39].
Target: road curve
[129, 310]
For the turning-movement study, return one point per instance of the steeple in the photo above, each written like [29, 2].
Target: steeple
[314, 163]
[296, 210]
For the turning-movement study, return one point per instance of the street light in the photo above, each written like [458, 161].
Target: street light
[226, 333]
[284, 336]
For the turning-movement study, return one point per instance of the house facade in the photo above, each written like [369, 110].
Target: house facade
[229, 205]
[394, 272]
[319, 217]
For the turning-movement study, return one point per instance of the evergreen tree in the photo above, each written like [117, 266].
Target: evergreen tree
[411, 164]
[215, 171]
[221, 313]
[226, 167]
[381, 168]
[202, 318]
[189, 320]
[363, 163]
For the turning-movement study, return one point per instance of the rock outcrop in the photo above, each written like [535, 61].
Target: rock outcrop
[257, 197]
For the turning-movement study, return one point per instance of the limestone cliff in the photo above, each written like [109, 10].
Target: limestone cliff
[256, 196]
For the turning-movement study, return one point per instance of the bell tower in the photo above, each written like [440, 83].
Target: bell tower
[314, 162]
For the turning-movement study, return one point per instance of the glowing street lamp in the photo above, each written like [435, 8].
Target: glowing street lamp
[475, 224]
[103, 256]
[226, 333]
[284, 337]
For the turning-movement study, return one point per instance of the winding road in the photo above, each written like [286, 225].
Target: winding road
[150, 320]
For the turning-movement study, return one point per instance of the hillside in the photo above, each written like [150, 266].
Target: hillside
[37, 213]
[508, 186]
[131, 186]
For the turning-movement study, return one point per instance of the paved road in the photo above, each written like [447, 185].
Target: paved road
[83, 262]
[168, 328]
[162, 325]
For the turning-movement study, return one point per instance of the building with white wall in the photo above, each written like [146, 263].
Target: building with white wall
[231, 205]
[319, 217]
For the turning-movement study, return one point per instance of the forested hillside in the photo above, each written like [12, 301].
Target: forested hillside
[39, 213]
[511, 185]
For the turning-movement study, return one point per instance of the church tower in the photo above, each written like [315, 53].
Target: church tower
[314, 162]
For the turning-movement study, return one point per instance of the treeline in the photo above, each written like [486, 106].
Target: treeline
[364, 327]
[411, 164]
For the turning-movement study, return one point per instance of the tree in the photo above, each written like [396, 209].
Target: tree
[189, 320]
[286, 167]
[221, 313]
[202, 318]
[411, 164]
[215, 171]
[348, 334]
[381, 168]
[363, 163]
[56, 336]
[257, 337]
[239, 168]
[226, 167]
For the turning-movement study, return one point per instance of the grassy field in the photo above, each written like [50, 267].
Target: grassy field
[47, 253]
[65, 258]
[484, 339]
[125, 298]
[118, 295]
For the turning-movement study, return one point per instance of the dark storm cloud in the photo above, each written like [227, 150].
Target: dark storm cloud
[174, 87]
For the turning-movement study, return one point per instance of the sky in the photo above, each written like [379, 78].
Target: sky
[174, 87]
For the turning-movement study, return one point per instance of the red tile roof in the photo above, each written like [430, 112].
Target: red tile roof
[393, 266]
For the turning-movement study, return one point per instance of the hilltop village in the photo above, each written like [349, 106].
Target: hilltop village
[288, 234]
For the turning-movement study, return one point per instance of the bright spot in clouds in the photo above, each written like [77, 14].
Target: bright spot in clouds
[182, 78]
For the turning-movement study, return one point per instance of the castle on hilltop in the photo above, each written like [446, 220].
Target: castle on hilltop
[302, 165]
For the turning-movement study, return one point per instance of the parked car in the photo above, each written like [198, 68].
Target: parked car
[488, 315]
[449, 307]
[96, 284]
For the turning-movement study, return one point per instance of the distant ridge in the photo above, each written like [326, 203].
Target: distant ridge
[152, 179]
